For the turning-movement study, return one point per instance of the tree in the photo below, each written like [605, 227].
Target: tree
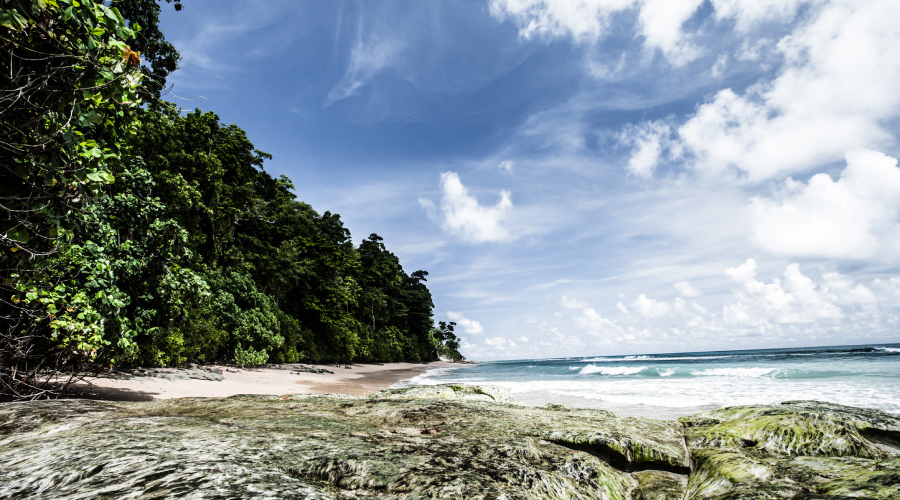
[447, 341]
[69, 96]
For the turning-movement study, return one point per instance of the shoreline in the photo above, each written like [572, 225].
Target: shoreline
[361, 380]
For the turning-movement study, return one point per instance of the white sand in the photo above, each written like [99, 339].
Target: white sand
[361, 380]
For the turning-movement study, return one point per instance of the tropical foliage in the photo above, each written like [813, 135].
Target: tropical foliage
[141, 235]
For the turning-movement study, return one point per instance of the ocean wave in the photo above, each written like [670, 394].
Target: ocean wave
[645, 371]
[650, 358]
[888, 349]
[612, 370]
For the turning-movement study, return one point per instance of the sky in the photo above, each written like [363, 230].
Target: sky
[587, 177]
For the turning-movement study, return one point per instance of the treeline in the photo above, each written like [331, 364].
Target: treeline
[135, 234]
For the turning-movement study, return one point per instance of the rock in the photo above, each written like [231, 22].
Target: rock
[193, 372]
[339, 446]
[659, 485]
[297, 367]
[793, 449]
[460, 391]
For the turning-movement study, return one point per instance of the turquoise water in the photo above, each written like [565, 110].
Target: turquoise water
[671, 385]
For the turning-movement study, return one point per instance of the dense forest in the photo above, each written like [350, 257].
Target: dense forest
[135, 233]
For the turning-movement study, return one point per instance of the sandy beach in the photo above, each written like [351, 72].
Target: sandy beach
[359, 380]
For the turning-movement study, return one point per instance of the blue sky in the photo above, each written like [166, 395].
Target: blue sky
[587, 177]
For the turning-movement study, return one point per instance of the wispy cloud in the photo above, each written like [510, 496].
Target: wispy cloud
[367, 59]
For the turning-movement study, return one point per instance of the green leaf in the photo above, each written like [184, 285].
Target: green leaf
[93, 117]
[19, 234]
[12, 19]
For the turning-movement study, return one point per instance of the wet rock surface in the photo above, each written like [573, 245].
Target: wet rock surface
[441, 442]
[798, 449]
[297, 368]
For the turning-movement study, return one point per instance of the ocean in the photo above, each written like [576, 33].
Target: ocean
[667, 386]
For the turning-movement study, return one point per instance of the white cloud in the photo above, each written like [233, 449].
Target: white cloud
[499, 342]
[572, 303]
[523, 339]
[507, 166]
[595, 323]
[469, 326]
[748, 13]
[464, 218]
[796, 299]
[687, 290]
[660, 22]
[647, 142]
[834, 93]
[720, 65]
[366, 60]
[650, 308]
[430, 210]
[855, 217]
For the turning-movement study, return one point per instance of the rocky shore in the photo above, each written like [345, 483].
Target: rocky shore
[441, 442]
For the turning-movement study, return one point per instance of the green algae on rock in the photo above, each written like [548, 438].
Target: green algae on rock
[799, 449]
[443, 442]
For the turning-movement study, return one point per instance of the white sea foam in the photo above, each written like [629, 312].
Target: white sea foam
[755, 372]
[612, 370]
[683, 388]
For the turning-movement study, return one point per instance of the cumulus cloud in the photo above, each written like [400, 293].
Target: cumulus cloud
[465, 218]
[650, 308]
[686, 289]
[796, 299]
[595, 323]
[469, 326]
[499, 342]
[589, 319]
[507, 166]
[659, 22]
[366, 60]
[855, 217]
[834, 93]
[572, 303]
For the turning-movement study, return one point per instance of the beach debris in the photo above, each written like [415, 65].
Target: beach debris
[232, 370]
